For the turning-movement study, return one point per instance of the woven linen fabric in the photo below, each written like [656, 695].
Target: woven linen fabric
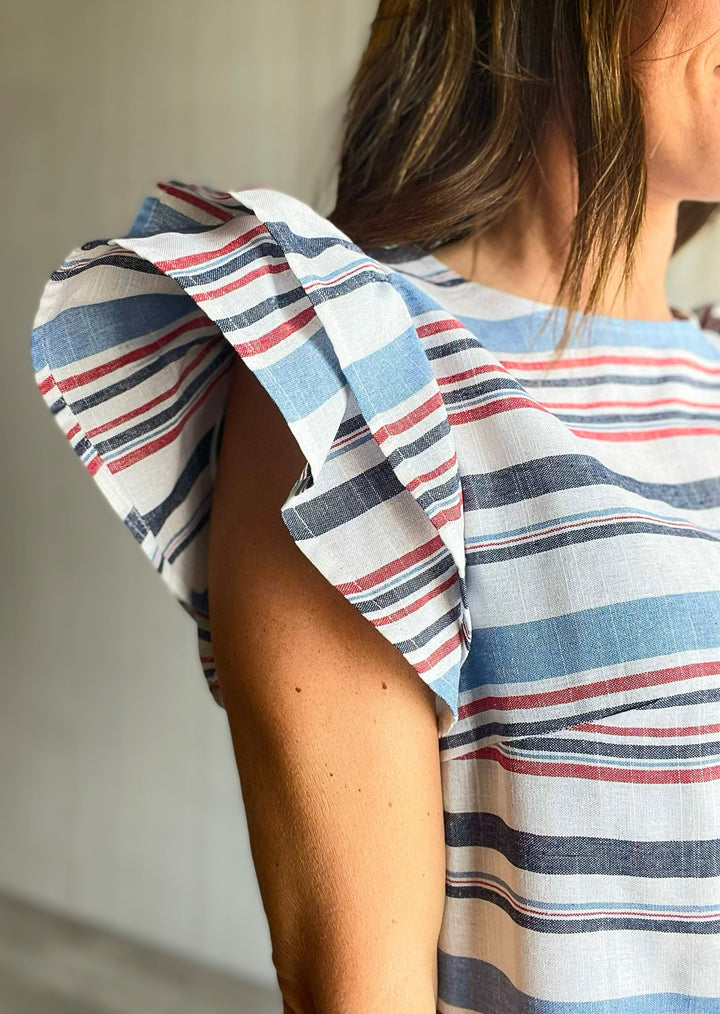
[542, 545]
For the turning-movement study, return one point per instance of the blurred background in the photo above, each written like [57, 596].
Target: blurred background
[120, 803]
[126, 881]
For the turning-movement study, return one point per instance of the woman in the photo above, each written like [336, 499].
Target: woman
[528, 521]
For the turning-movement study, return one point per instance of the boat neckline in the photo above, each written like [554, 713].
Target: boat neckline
[475, 289]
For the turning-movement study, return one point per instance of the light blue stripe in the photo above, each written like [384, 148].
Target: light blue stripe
[82, 331]
[591, 638]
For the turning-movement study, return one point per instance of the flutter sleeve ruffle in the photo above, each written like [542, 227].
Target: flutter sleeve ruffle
[132, 346]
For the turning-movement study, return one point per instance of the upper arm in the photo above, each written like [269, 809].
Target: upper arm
[335, 739]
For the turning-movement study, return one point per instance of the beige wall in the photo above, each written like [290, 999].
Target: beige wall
[119, 798]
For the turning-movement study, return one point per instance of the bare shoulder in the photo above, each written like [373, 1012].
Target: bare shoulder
[260, 582]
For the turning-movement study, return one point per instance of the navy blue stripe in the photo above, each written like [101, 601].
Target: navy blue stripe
[148, 369]
[309, 246]
[174, 409]
[478, 987]
[189, 537]
[134, 520]
[672, 749]
[127, 260]
[583, 854]
[558, 472]
[600, 422]
[655, 380]
[190, 473]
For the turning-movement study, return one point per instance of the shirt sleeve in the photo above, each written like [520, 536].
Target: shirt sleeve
[132, 346]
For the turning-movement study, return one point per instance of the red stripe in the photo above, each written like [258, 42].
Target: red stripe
[651, 732]
[140, 453]
[440, 653]
[657, 434]
[278, 334]
[468, 415]
[438, 326]
[416, 604]
[211, 208]
[103, 369]
[168, 392]
[568, 362]
[407, 421]
[266, 269]
[192, 260]
[622, 436]
[565, 916]
[433, 473]
[324, 283]
[453, 378]
[616, 359]
[447, 515]
[601, 688]
[390, 570]
[598, 773]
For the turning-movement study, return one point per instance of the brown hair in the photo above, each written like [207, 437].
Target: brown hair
[441, 128]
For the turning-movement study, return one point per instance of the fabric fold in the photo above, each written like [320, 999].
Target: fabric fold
[132, 345]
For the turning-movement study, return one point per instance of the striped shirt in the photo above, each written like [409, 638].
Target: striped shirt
[541, 544]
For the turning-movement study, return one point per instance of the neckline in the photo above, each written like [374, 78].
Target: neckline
[478, 291]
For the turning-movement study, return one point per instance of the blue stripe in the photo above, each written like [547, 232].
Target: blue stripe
[673, 749]
[82, 331]
[154, 216]
[557, 472]
[75, 267]
[578, 642]
[583, 855]
[475, 985]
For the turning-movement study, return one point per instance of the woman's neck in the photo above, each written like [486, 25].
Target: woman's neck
[527, 254]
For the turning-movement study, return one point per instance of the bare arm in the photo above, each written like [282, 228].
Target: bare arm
[335, 740]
